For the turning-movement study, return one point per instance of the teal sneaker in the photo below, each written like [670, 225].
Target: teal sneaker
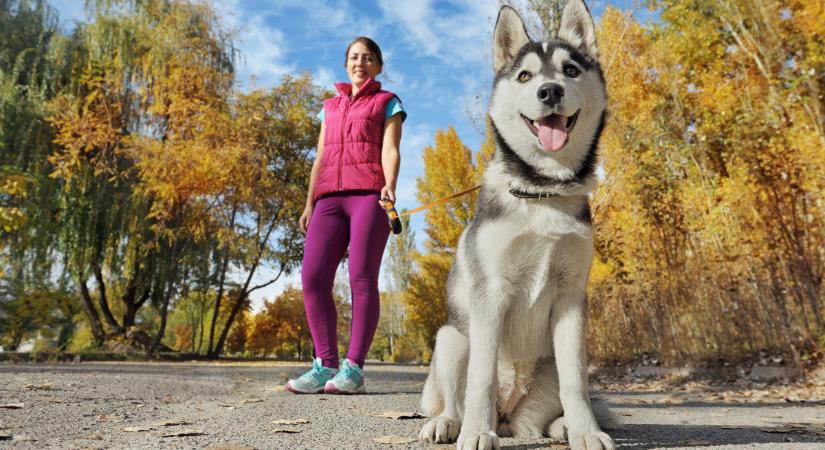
[348, 380]
[313, 381]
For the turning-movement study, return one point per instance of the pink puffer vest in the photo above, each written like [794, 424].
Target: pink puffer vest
[353, 140]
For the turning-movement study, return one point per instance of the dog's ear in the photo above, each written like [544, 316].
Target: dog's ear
[577, 28]
[509, 37]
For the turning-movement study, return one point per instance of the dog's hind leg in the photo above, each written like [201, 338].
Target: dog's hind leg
[443, 396]
[540, 405]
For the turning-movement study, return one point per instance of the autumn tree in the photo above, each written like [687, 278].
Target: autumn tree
[279, 131]
[281, 327]
[711, 206]
[448, 168]
[398, 269]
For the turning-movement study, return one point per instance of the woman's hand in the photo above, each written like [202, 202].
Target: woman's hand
[387, 193]
[304, 220]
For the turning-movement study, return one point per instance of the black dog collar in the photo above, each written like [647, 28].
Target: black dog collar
[521, 194]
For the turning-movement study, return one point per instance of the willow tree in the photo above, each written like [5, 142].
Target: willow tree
[153, 79]
[26, 193]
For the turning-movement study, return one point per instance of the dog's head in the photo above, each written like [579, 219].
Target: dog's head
[549, 97]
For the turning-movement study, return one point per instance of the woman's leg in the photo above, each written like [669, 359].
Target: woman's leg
[367, 238]
[326, 240]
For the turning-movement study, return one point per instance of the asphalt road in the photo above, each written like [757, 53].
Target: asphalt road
[148, 405]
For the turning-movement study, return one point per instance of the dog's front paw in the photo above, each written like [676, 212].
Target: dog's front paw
[591, 440]
[439, 430]
[477, 441]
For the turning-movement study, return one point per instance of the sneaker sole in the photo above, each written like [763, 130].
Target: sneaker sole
[331, 389]
[290, 388]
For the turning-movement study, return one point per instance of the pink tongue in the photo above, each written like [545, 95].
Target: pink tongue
[552, 132]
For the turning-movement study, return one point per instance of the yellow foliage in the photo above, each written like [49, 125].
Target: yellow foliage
[712, 202]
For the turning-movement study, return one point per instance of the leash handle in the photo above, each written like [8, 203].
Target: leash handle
[392, 216]
[441, 200]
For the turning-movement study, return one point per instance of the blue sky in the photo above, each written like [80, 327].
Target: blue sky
[437, 55]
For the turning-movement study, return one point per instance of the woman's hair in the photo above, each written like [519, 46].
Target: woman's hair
[374, 48]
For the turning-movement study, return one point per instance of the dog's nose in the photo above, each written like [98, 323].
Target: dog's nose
[550, 94]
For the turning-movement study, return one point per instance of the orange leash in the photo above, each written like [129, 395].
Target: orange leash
[439, 201]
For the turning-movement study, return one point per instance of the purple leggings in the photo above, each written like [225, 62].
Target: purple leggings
[353, 218]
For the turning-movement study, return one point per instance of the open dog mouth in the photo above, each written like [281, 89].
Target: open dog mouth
[552, 130]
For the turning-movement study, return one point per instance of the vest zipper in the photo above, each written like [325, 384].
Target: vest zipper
[343, 144]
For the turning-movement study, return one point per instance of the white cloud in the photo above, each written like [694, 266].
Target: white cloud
[323, 77]
[454, 39]
[263, 47]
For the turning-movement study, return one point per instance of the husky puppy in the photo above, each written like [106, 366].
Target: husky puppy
[511, 360]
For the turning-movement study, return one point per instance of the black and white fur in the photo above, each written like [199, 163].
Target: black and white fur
[512, 359]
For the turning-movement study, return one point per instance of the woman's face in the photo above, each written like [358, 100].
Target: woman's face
[361, 64]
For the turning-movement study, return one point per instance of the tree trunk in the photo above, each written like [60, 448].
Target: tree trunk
[91, 312]
[167, 296]
[130, 299]
[210, 349]
[104, 302]
[244, 292]
[235, 309]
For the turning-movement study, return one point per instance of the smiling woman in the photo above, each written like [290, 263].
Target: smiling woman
[354, 173]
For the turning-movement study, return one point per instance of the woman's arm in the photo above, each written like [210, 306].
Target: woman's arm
[391, 156]
[313, 176]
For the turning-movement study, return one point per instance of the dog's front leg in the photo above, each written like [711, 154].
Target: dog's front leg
[568, 322]
[478, 427]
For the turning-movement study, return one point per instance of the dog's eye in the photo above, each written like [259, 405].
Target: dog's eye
[571, 71]
[524, 76]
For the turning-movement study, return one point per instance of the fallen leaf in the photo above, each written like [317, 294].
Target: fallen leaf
[276, 389]
[91, 437]
[168, 399]
[12, 406]
[230, 447]
[240, 402]
[137, 429]
[625, 414]
[183, 433]
[172, 423]
[106, 418]
[398, 415]
[289, 422]
[394, 439]
[39, 387]
[5, 436]
[286, 430]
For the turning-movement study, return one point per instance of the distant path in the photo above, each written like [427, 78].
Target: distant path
[88, 405]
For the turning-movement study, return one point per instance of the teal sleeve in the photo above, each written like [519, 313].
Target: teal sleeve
[395, 107]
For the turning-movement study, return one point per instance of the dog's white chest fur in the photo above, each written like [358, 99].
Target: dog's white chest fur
[549, 254]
